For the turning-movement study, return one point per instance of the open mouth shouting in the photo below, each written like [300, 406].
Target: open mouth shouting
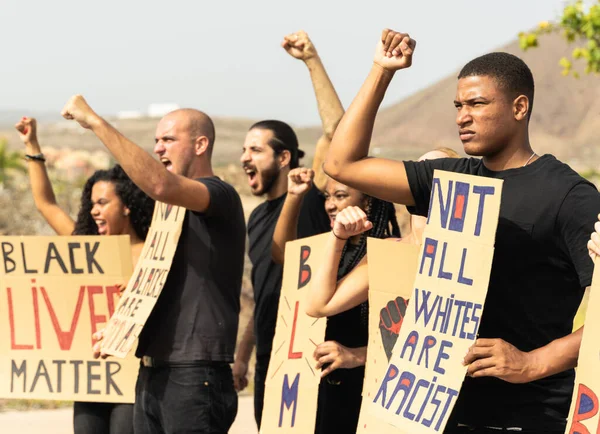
[167, 163]
[252, 176]
[102, 226]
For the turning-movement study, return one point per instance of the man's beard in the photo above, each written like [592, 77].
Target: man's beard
[269, 177]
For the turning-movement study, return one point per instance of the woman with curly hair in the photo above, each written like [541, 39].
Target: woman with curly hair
[111, 204]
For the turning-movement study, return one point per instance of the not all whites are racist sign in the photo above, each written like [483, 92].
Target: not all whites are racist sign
[292, 383]
[55, 292]
[425, 373]
[147, 280]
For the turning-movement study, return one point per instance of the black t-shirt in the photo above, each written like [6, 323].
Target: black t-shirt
[196, 314]
[539, 272]
[266, 274]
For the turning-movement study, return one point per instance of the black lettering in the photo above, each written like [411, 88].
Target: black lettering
[53, 254]
[109, 377]
[91, 377]
[91, 261]
[42, 371]
[6, 258]
[21, 370]
[74, 269]
[59, 364]
[76, 364]
[27, 270]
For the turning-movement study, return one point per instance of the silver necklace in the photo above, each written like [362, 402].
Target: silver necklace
[532, 155]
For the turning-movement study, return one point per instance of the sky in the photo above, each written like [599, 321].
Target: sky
[224, 57]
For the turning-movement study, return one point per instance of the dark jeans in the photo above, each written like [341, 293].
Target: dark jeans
[102, 418]
[260, 375]
[185, 400]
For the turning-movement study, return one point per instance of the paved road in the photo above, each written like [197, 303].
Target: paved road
[61, 421]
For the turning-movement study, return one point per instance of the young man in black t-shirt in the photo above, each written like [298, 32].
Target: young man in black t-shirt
[185, 383]
[270, 151]
[520, 370]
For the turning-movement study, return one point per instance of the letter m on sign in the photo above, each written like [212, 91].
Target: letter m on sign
[289, 398]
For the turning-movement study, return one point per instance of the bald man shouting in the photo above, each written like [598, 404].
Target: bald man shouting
[185, 383]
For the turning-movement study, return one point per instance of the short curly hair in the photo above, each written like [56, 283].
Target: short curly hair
[138, 202]
[510, 72]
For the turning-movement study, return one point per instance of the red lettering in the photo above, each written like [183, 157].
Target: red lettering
[459, 206]
[95, 319]
[11, 319]
[291, 353]
[36, 312]
[586, 407]
[65, 339]
[111, 291]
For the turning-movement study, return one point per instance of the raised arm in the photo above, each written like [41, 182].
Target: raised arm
[300, 46]
[41, 188]
[147, 173]
[300, 181]
[347, 160]
[326, 296]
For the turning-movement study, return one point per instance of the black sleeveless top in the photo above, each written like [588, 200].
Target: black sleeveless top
[349, 328]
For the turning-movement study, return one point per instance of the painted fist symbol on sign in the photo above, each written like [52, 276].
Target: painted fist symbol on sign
[391, 317]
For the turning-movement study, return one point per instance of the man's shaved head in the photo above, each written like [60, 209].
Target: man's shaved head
[199, 124]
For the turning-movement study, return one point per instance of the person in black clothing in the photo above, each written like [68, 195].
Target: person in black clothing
[185, 384]
[343, 354]
[270, 151]
[520, 370]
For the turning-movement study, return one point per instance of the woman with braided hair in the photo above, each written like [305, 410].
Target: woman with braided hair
[339, 291]
[342, 356]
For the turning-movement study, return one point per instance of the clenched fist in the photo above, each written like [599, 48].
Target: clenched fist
[394, 50]
[299, 45]
[27, 128]
[351, 221]
[300, 180]
[390, 322]
[78, 109]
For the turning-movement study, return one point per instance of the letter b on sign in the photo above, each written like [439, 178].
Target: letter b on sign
[304, 274]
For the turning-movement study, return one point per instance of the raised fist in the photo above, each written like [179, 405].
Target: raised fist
[351, 221]
[299, 45]
[27, 128]
[390, 321]
[78, 109]
[300, 180]
[394, 50]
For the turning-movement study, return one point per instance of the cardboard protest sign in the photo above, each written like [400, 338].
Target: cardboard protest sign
[147, 280]
[392, 270]
[425, 372]
[583, 416]
[55, 292]
[292, 383]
